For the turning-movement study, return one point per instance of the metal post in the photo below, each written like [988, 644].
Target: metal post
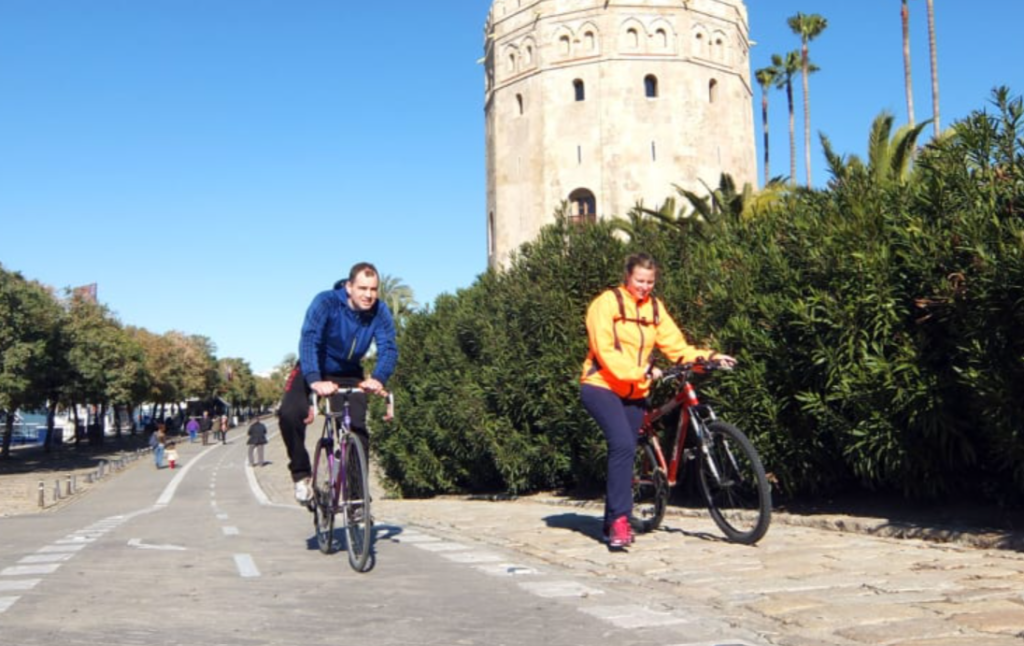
[71, 487]
[56, 490]
[42, 494]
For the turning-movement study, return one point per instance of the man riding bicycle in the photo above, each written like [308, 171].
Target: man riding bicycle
[339, 328]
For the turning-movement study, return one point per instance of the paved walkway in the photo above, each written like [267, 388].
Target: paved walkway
[826, 580]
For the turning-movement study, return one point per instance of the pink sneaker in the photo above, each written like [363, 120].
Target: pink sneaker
[620, 534]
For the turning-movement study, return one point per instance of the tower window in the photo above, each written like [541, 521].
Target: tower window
[583, 205]
[519, 101]
[563, 45]
[712, 91]
[580, 91]
[651, 86]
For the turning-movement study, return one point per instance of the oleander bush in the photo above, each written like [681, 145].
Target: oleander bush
[879, 323]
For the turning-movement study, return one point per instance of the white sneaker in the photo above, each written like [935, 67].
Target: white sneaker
[303, 492]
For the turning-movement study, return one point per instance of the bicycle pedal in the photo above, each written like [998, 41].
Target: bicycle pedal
[688, 454]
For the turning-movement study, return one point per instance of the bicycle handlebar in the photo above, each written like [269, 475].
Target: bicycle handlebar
[700, 366]
[389, 412]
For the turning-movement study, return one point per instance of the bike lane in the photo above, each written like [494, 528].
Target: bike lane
[198, 555]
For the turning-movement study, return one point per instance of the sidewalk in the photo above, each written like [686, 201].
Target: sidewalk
[822, 579]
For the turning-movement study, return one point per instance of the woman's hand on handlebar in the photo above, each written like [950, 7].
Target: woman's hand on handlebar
[722, 361]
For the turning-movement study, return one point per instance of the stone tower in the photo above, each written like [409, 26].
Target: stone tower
[605, 103]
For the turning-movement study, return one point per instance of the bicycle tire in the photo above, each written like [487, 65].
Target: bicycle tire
[739, 496]
[323, 497]
[356, 504]
[650, 490]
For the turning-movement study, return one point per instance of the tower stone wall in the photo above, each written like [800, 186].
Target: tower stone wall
[604, 104]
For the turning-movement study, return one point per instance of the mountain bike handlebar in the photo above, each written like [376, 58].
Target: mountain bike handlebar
[700, 366]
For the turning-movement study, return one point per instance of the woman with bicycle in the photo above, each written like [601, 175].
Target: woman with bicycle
[624, 326]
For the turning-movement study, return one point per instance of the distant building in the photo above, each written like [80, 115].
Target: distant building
[604, 104]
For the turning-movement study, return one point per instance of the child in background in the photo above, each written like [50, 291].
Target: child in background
[171, 455]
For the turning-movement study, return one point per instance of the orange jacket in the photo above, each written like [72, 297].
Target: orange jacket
[622, 367]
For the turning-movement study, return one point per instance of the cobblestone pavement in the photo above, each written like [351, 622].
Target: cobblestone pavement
[823, 580]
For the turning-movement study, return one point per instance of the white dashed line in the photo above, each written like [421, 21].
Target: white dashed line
[634, 616]
[441, 546]
[22, 570]
[246, 566]
[18, 584]
[46, 558]
[7, 602]
[472, 557]
[60, 549]
[554, 589]
[505, 569]
[229, 530]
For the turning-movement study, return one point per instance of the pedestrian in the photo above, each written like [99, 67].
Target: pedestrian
[257, 439]
[192, 428]
[172, 454]
[223, 429]
[157, 439]
[204, 427]
[624, 326]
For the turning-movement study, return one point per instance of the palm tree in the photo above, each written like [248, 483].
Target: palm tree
[766, 78]
[398, 296]
[935, 65]
[808, 27]
[890, 156]
[788, 67]
[908, 85]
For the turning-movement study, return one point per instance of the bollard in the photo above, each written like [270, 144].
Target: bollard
[71, 488]
[56, 490]
[42, 494]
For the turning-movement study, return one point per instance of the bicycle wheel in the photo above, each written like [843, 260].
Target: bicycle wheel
[356, 504]
[650, 490]
[734, 484]
[323, 497]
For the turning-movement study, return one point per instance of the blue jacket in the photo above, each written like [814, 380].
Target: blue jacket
[335, 338]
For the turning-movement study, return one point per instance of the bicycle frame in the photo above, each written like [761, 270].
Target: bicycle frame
[335, 434]
[686, 399]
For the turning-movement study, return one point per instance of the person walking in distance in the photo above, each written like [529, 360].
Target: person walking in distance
[256, 442]
[339, 327]
[204, 427]
[624, 325]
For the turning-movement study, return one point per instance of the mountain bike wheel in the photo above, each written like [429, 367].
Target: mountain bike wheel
[323, 497]
[734, 484]
[650, 490]
[356, 499]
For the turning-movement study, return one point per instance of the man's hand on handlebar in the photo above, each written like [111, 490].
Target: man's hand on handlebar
[324, 388]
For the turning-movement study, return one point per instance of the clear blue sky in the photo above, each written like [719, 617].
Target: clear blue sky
[212, 164]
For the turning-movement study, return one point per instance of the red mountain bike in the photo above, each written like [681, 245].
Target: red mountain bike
[731, 478]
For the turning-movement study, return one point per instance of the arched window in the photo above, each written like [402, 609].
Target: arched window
[651, 86]
[589, 42]
[632, 38]
[712, 91]
[661, 39]
[512, 63]
[563, 45]
[581, 94]
[519, 101]
[583, 205]
[529, 55]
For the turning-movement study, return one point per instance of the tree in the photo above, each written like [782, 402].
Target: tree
[907, 83]
[934, 65]
[31, 345]
[766, 79]
[808, 27]
[398, 296]
[788, 66]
